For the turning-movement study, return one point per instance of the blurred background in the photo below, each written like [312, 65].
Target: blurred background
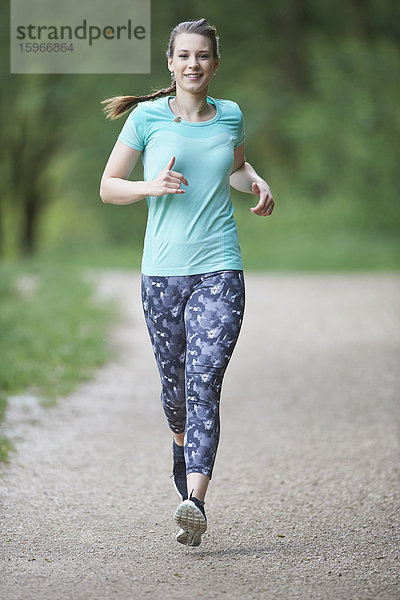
[318, 84]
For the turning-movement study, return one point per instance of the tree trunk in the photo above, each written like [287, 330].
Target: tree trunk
[293, 24]
[360, 19]
[2, 250]
[31, 202]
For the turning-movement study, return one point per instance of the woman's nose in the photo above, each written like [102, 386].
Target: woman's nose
[193, 62]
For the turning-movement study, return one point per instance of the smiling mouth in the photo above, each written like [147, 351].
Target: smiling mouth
[197, 76]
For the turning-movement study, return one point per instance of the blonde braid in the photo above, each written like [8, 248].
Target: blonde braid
[118, 105]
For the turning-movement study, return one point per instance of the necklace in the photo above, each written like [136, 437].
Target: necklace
[179, 119]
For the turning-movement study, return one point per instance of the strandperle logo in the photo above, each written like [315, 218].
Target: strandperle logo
[84, 31]
[80, 36]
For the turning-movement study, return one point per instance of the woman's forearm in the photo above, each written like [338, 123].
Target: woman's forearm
[115, 190]
[243, 178]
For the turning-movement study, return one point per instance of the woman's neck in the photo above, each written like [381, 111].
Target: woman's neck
[192, 107]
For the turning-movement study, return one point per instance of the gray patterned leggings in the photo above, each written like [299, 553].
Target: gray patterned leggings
[194, 322]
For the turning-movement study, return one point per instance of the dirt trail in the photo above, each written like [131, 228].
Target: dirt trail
[304, 502]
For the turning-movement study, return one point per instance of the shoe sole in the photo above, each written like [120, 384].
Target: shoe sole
[191, 522]
[187, 538]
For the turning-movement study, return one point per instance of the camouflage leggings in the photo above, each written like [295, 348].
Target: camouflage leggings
[194, 322]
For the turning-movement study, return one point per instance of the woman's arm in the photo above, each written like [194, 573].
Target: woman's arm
[116, 189]
[244, 178]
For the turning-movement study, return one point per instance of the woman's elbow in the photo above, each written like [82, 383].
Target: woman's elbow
[105, 198]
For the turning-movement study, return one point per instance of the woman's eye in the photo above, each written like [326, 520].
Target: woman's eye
[185, 55]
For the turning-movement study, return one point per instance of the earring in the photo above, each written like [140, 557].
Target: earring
[172, 73]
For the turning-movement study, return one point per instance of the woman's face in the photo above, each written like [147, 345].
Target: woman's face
[193, 62]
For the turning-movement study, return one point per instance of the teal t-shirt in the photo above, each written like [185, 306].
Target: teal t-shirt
[195, 232]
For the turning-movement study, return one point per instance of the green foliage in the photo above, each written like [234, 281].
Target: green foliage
[317, 84]
[344, 134]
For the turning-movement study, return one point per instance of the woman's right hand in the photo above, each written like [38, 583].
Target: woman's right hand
[167, 181]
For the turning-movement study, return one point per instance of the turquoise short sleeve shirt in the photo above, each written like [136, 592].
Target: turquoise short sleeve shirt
[195, 232]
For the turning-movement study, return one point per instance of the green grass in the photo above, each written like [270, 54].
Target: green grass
[330, 235]
[333, 250]
[267, 246]
[53, 334]
[309, 236]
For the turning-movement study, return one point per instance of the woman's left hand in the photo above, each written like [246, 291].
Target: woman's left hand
[266, 202]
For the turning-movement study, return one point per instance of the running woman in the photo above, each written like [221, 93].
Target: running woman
[193, 295]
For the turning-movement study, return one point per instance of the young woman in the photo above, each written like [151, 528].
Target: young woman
[192, 148]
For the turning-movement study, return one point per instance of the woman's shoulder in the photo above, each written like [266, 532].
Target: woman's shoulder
[150, 106]
[227, 105]
[148, 110]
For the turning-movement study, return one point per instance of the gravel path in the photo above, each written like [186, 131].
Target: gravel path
[304, 501]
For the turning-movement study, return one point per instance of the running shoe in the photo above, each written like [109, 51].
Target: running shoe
[191, 518]
[179, 471]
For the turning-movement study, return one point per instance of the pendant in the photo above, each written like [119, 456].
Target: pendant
[177, 119]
